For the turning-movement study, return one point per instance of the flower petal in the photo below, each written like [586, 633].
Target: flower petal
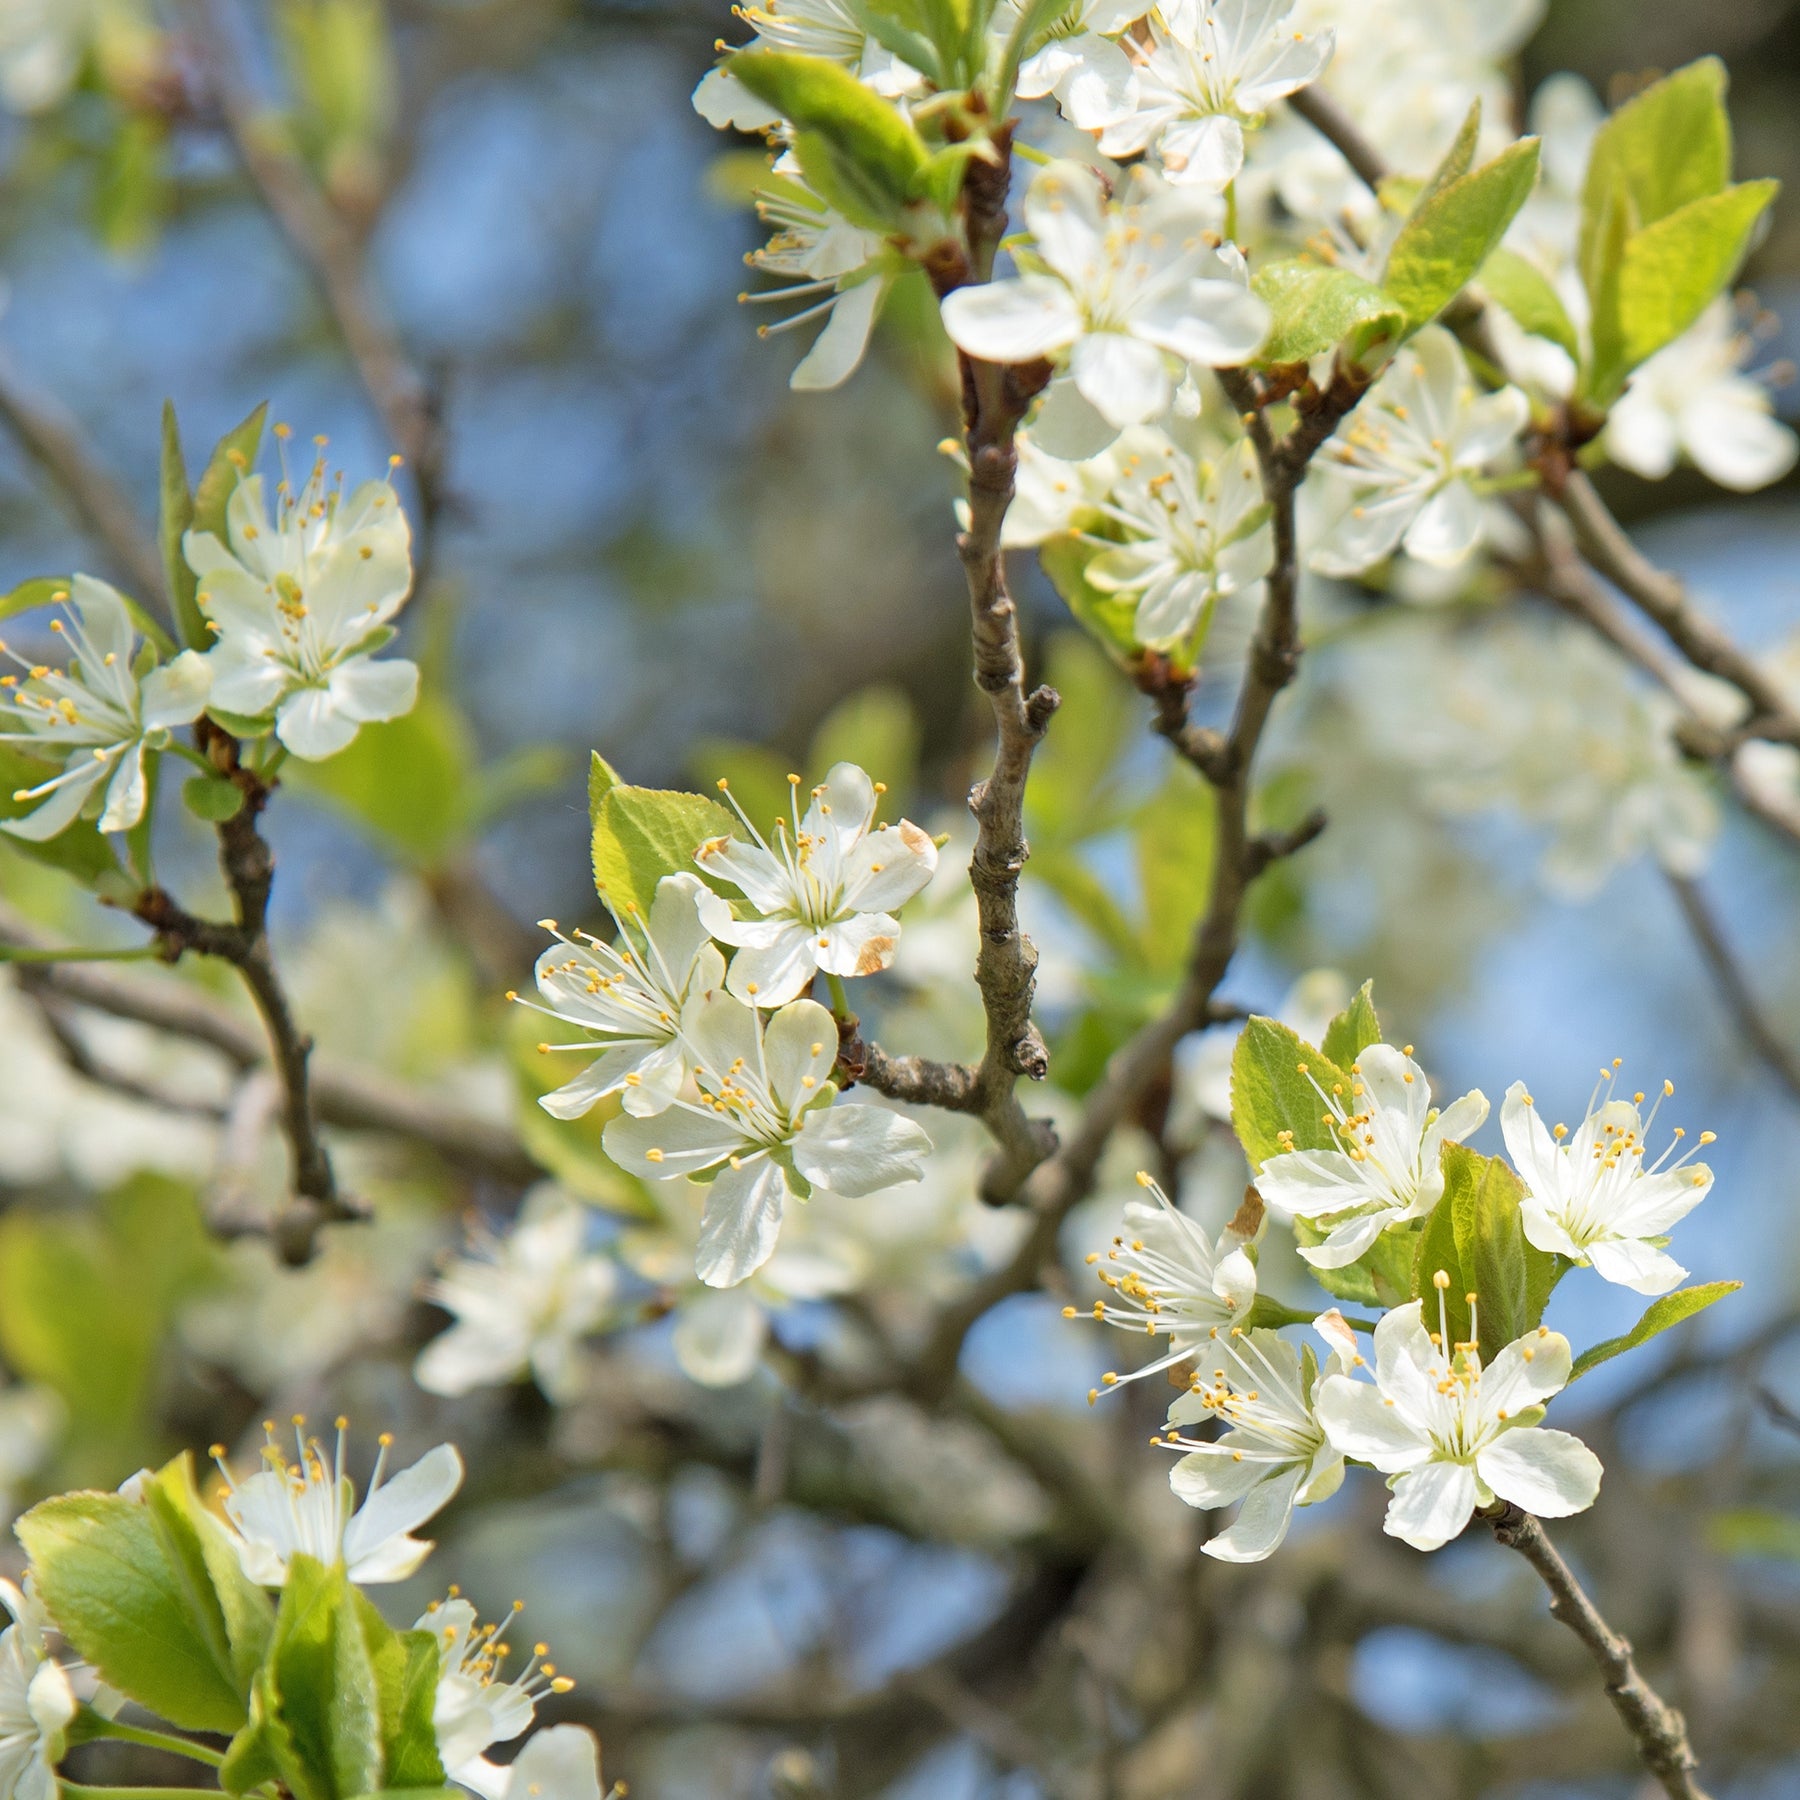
[1012, 321]
[1431, 1505]
[859, 1149]
[1363, 1424]
[1262, 1521]
[1546, 1472]
[741, 1223]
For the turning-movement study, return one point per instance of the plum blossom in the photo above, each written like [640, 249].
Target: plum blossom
[824, 892]
[300, 603]
[105, 713]
[1082, 65]
[763, 1129]
[1123, 288]
[37, 1704]
[562, 1762]
[308, 1507]
[836, 267]
[1274, 1454]
[1693, 399]
[1400, 466]
[474, 1708]
[628, 997]
[522, 1303]
[1453, 1435]
[1198, 532]
[1589, 1195]
[1389, 1167]
[1169, 1279]
[1210, 68]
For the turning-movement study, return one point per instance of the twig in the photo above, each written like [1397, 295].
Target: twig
[332, 254]
[54, 441]
[1331, 122]
[1734, 989]
[347, 1096]
[1660, 1731]
[66, 1034]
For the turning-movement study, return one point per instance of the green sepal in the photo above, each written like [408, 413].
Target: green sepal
[1671, 1309]
[212, 798]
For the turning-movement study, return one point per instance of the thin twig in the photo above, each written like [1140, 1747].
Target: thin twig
[1660, 1731]
[332, 254]
[1733, 987]
[53, 439]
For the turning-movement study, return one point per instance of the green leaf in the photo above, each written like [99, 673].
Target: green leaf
[1671, 1309]
[234, 1614]
[232, 459]
[405, 1667]
[1354, 1029]
[1459, 159]
[643, 834]
[1455, 229]
[133, 189]
[175, 514]
[1674, 269]
[1313, 307]
[324, 1684]
[106, 1576]
[212, 798]
[1667, 147]
[897, 27]
[1755, 1531]
[1173, 841]
[1522, 289]
[859, 154]
[1510, 1277]
[1270, 1095]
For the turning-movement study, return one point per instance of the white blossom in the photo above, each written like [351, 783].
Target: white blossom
[836, 267]
[629, 997]
[1274, 1454]
[42, 46]
[1082, 65]
[474, 1709]
[308, 1507]
[37, 1703]
[103, 715]
[1455, 1436]
[823, 893]
[1389, 1169]
[522, 1303]
[764, 1128]
[1123, 289]
[1399, 467]
[1693, 399]
[1169, 1279]
[561, 1762]
[1050, 491]
[300, 602]
[1210, 68]
[1589, 1195]
[1199, 534]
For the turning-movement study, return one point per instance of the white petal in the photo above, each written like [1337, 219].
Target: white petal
[1363, 1424]
[369, 691]
[719, 1337]
[1639, 1266]
[1736, 443]
[175, 694]
[390, 1514]
[1546, 1472]
[799, 1047]
[310, 723]
[675, 1142]
[1262, 1521]
[561, 1762]
[840, 347]
[1065, 212]
[861, 945]
[1067, 426]
[1431, 1505]
[1447, 528]
[741, 1223]
[855, 1149]
[1212, 1477]
[1346, 1242]
[1218, 323]
[1206, 152]
[61, 806]
[1121, 377]
[1012, 321]
[127, 792]
[1526, 1373]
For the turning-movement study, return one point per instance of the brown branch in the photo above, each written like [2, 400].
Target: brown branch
[1732, 984]
[348, 1096]
[53, 439]
[332, 254]
[1660, 1731]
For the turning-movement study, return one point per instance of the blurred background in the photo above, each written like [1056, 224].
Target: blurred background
[645, 544]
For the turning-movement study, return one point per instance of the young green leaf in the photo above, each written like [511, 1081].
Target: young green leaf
[858, 152]
[1522, 289]
[107, 1576]
[1666, 147]
[212, 798]
[232, 459]
[1354, 1029]
[1672, 270]
[643, 834]
[1510, 1277]
[175, 515]
[1273, 1094]
[1671, 1309]
[324, 1686]
[1454, 230]
[1314, 307]
[1108, 618]
[405, 1667]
